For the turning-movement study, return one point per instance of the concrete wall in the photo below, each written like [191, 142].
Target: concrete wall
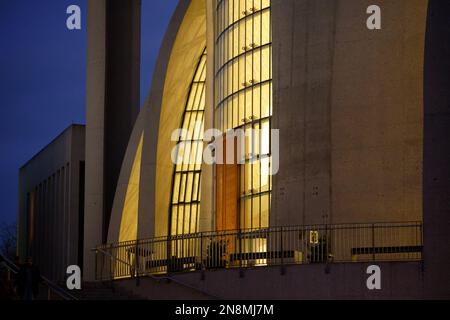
[49, 220]
[349, 104]
[337, 281]
[437, 151]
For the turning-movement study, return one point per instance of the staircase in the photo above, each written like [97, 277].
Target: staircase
[103, 292]
[150, 288]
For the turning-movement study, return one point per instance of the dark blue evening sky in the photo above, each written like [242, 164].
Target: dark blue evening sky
[43, 76]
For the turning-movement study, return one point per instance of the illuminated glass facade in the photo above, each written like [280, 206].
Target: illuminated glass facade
[185, 206]
[243, 80]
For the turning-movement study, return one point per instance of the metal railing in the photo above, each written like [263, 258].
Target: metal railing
[52, 288]
[276, 246]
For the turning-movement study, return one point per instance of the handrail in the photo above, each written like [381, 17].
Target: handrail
[142, 273]
[50, 284]
[348, 226]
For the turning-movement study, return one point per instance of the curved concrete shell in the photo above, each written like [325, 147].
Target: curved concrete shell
[162, 113]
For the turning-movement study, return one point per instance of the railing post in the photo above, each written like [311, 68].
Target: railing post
[169, 253]
[136, 263]
[241, 272]
[201, 251]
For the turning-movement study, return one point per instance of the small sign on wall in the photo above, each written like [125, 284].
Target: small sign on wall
[314, 237]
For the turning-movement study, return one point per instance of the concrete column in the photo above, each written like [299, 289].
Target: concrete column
[112, 105]
[95, 95]
[208, 189]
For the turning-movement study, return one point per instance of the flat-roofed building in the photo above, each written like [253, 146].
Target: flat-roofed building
[51, 204]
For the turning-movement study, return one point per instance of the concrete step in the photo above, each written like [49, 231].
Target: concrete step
[101, 291]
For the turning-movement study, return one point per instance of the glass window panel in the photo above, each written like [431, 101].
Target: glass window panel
[242, 213]
[270, 99]
[248, 142]
[186, 155]
[257, 139]
[194, 218]
[195, 188]
[228, 83]
[198, 96]
[174, 219]
[235, 104]
[199, 73]
[229, 114]
[185, 128]
[249, 68]
[256, 102]
[249, 100]
[187, 219]
[219, 86]
[242, 43]
[203, 100]
[182, 188]
[265, 62]
[265, 207]
[265, 100]
[180, 219]
[242, 72]
[248, 178]
[189, 186]
[265, 36]
[265, 174]
[256, 221]
[237, 9]
[236, 85]
[227, 46]
[190, 101]
[192, 156]
[257, 65]
[265, 137]
[256, 176]
[225, 115]
[248, 213]
[176, 188]
[249, 33]
[242, 189]
[242, 8]
[257, 29]
[241, 99]
[265, 4]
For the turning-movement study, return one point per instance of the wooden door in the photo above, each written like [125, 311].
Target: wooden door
[227, 193]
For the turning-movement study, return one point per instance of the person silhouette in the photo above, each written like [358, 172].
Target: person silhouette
[29, 278]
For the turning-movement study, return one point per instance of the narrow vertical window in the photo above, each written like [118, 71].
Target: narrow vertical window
[186, 182]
